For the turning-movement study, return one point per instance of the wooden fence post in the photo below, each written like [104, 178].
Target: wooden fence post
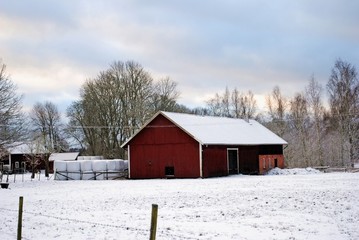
[19, 223]
[154, 221]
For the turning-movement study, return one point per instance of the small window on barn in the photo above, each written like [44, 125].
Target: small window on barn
[169, 171]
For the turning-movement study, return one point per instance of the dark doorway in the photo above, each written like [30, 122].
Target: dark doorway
[275, 163]
[232, 156]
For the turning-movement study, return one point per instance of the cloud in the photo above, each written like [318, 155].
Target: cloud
[52, 47]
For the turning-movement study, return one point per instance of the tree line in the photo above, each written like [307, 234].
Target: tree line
[119, 100]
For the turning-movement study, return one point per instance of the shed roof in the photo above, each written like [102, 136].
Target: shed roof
[63, 156]
[209, 130]
[25, 148]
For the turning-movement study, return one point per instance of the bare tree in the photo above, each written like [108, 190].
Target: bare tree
[47, 125]
[102, 113]
[243, 104]
[313, 93]
[343, 89]
[138, 89]
[47, 129]
[277, 106]
[115, 104]
[75, 128]
[201, 111]
[214, 105]
[165, 95]
[233, 104]
[226, 103]
[299, 130]
[12, 121]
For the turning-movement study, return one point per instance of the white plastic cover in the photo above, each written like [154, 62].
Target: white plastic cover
[86, 169]
[60, 168]
[125, 162]
[73, 170]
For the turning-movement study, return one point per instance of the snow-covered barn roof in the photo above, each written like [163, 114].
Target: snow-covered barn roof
[209, 130]
[25, 148]
[63, 156]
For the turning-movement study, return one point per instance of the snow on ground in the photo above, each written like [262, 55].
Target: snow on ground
[293, 171]
[315, 206]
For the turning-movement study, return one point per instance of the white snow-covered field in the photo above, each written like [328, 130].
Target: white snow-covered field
[300, 206]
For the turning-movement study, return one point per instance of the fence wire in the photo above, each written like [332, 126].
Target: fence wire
[127, 228]
[160, 232]
[13, 236]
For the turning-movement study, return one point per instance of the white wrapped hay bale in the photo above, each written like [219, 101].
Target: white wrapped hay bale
[121, 165]
[60, 166]
[86, 170]
[117, 164]
[111, 165]
[125, 163]
[100, 168]
[99, 165]
[112, 168]
[60, 170]
[86, 166]
[73, 170]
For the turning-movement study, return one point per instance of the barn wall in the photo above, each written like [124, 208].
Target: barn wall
[23, 158]
[270, 149]
[20, 158]
[162, 144]
[248, 159]
[214, 160]
[268, 162]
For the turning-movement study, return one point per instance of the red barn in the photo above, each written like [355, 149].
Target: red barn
[190, 146]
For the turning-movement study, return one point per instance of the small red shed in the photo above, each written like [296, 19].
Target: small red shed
[191, 146]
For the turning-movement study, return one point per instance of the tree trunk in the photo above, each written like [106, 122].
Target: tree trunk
[47, 166]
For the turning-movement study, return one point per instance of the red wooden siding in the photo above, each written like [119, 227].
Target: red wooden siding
[214, 161]
[267, 162]
[248, 159]
[162, 144]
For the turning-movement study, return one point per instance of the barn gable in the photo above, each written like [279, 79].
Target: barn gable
[162, 149]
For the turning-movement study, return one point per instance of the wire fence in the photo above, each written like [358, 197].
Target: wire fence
[13, 236]
[73, 220]
[165, 233]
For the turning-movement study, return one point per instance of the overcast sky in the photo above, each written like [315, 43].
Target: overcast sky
[51, 47]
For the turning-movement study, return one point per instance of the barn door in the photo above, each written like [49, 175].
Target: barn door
[232, 159]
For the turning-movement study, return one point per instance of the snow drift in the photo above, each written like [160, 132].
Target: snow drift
[293, 171]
